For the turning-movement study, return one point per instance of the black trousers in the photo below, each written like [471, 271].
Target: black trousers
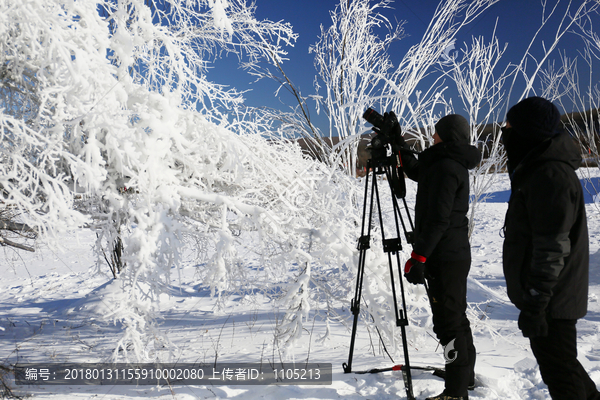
[556, 355]
[448, 298]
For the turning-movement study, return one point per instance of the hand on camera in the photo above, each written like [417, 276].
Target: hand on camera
[395, 130]
[414, 269]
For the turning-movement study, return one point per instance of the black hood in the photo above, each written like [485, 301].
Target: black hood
[558, 148]
[453, 128]
[463, 153]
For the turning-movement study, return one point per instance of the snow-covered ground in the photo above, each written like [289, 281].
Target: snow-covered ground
[51, 308]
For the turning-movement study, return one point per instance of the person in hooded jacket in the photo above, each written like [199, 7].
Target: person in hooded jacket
[441, 249]
[545, 252]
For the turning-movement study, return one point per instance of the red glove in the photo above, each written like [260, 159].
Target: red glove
[414, 269]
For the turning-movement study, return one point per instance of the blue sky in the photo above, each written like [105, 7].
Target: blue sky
[516, 20]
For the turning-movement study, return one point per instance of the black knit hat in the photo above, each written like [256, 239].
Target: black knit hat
[453, 128]
[535, 117]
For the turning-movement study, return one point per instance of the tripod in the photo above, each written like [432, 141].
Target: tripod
[391, 168]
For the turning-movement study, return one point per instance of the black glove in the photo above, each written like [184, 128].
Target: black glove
[532, 320]
[533, 324]
[414, 269]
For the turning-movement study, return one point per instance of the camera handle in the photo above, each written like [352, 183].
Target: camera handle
[382, 166]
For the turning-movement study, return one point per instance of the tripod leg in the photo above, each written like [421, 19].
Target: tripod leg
[402, 316]
[355, 308]
[363, 245]
[406, 374]
[390, 246]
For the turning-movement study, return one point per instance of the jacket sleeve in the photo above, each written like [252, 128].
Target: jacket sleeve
[443, 185]
[551, 204]
[410, 164]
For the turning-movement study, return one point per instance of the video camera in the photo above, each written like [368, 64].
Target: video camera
[388, 131]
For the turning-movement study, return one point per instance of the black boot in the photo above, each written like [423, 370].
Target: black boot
[443, 396]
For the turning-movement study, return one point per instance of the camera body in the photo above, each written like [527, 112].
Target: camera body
[388, 136]
[388, 131]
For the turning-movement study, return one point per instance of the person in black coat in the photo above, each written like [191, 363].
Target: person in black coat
[545, 252]
[441, 250]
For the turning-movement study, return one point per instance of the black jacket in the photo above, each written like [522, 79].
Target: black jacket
[546, 237]
[441, 224]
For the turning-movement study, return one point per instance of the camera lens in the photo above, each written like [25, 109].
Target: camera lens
[373, 117]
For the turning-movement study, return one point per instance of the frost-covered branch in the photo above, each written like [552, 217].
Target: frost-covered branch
[416, 108]
[352, 61]
[569, 20]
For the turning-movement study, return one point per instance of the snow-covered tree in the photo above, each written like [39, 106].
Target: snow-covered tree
[109, 121]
